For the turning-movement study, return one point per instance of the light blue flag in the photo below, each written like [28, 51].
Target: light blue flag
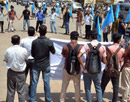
[128, 17]
[92, 11]
[6, 6]
[117, 11]
[109, 18]
[44, 7]
[58, 9]
[98, 30]
[70, 12]
[33, 7]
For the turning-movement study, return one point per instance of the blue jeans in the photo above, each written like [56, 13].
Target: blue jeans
[67, 27]
[53, 23]
[44, 20]
[34, 82]
[87, 84]
[127, 40]
[24, 24]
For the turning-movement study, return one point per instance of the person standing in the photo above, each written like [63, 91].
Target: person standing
[122, 27]
[41, 48]
[39, 16]
[114, 66]
[88, 76]
[53, 16]
[106, 31]
[125, 78]
[66, 20]
[79, 21]
[11, 14]
[26, 14]
[88, 22]
[67, 74]
[45, 13]
[2, 19]
[27, 44]
[15, 58]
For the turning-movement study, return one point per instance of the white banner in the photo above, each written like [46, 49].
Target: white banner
[57, 60]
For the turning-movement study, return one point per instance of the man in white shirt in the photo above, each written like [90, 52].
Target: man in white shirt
[27, 44]
[53, 16]
[15, 58]
[2, 19]
[88, 22]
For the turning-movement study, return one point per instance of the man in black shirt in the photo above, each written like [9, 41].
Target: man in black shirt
[41, 48]
[26, 14]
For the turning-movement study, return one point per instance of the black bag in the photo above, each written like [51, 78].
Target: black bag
[72, 62]
[93, 60]
[113, 65]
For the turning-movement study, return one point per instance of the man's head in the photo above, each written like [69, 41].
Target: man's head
[52, 10]
[67, 9]
[40, 9]
[98, 12]
[121, 17]
[79, 10]
[12, 7]
[89, 12]
[26, 7]
[2, 8]
[15, 39]
[116, 38]
[31, 31]
[42, 30]
[93, 35]
[74, 35]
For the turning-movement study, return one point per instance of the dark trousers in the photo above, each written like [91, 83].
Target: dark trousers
[105, 38]
[30, 63]
[37, 25]
[87, 31]
[15, 81]
[2, 24]
[115, 84]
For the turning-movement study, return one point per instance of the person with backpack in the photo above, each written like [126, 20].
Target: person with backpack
[125, 78]
[72, 67]
[112, 69]
[95, 53]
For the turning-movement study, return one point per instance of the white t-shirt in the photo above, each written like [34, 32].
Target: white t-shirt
[53, 16]
[1, 16]
[27, 44]
[15, 58]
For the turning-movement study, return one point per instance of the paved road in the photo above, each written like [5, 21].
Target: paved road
[5, 42]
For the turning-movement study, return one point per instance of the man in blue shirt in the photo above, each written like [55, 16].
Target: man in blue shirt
[39, 16]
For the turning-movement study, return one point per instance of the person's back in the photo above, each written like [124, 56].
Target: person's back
[112, 70]
[71, 67]
[41, 48]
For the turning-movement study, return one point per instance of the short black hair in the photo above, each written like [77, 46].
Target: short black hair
[11, 6]
[26, 6]
[116, 38]
[53, 9]
[15, 39]
[43, 30]
[121, 16]
[2, 8]
[93, 34]
[31, 31]
[74, 35]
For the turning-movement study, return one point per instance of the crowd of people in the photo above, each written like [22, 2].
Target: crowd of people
[32, 54]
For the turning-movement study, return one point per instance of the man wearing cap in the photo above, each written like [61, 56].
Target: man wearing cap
[88, 22]
[40, 17]
[26, 14]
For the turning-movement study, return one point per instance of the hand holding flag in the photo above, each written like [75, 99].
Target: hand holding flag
[109, 18]
[98, 30]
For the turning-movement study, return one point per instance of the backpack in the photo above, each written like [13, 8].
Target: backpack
[93, 60]
[72, 62]
[113, 65]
